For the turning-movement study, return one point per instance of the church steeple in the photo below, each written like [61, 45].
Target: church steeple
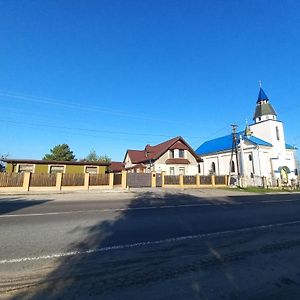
[262, 96]
[264, 110]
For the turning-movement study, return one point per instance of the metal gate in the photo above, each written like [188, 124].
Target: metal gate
[137, 180]
[158, 180]
[117, 178]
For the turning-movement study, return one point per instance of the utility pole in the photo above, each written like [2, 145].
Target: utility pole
[234, 149]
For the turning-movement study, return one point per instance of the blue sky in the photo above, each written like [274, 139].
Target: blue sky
[114, 75]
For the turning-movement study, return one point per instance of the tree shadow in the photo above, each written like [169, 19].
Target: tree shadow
[146, 246]
[17, 203]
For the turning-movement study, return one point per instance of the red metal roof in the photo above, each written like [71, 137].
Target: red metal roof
[116, 166]
[154, 152]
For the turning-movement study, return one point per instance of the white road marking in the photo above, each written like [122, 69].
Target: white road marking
[145, 243]
[143, 208]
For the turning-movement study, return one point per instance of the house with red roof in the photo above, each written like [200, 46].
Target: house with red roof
[174, 157]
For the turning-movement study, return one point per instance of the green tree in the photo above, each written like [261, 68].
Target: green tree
[93, 156]
[60, 152]
[104, 158]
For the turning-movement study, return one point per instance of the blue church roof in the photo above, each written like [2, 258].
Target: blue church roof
[288, 146]
[224, 143]
[261, 95]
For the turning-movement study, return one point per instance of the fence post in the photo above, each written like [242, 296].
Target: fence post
[163, 173]
[181, 180]
[226, 179]
[124, 179]
[198, 180]
[26, 181]
[86, 180]
[213, 180]
[58, 181]
[153, 179]
[111, 180]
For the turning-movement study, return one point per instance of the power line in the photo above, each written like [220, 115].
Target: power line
[70, 105]
[86, 129]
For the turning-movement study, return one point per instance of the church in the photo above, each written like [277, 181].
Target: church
[258, 156]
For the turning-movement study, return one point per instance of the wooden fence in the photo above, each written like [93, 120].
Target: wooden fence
[72, 180]
[30, 181]
[11, 179]
[38, 180]
[99, 179]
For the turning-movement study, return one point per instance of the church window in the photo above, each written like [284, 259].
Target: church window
[199, 168]
[232, 168]
[277, 133]
[250, 157]
[213, 168]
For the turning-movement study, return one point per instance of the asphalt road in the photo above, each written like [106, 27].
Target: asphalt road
[145, 245]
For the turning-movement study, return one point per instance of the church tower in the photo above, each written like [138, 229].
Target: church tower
[267, 127]
[264, 110]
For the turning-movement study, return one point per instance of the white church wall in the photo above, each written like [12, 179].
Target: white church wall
[267, 131]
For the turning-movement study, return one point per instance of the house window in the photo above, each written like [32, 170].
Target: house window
[232, 168]
[172, 171]
[171, 153]
[25, 168]
[181, 170]
[277, 133]
[91, 170]
[181, 153]
[56, 169]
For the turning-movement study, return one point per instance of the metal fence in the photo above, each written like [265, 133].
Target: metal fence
[205, 180]
[171, 179]
[139, 180]
[220, 180]
[117, 178]
[189, 180]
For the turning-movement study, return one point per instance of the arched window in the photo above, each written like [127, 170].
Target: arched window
[213, 168]
[232, 167]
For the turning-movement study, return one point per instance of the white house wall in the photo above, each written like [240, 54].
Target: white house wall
[190, 169]
[127, 161]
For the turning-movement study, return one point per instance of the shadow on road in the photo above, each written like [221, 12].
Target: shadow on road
[124, 258]
[17, 203]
